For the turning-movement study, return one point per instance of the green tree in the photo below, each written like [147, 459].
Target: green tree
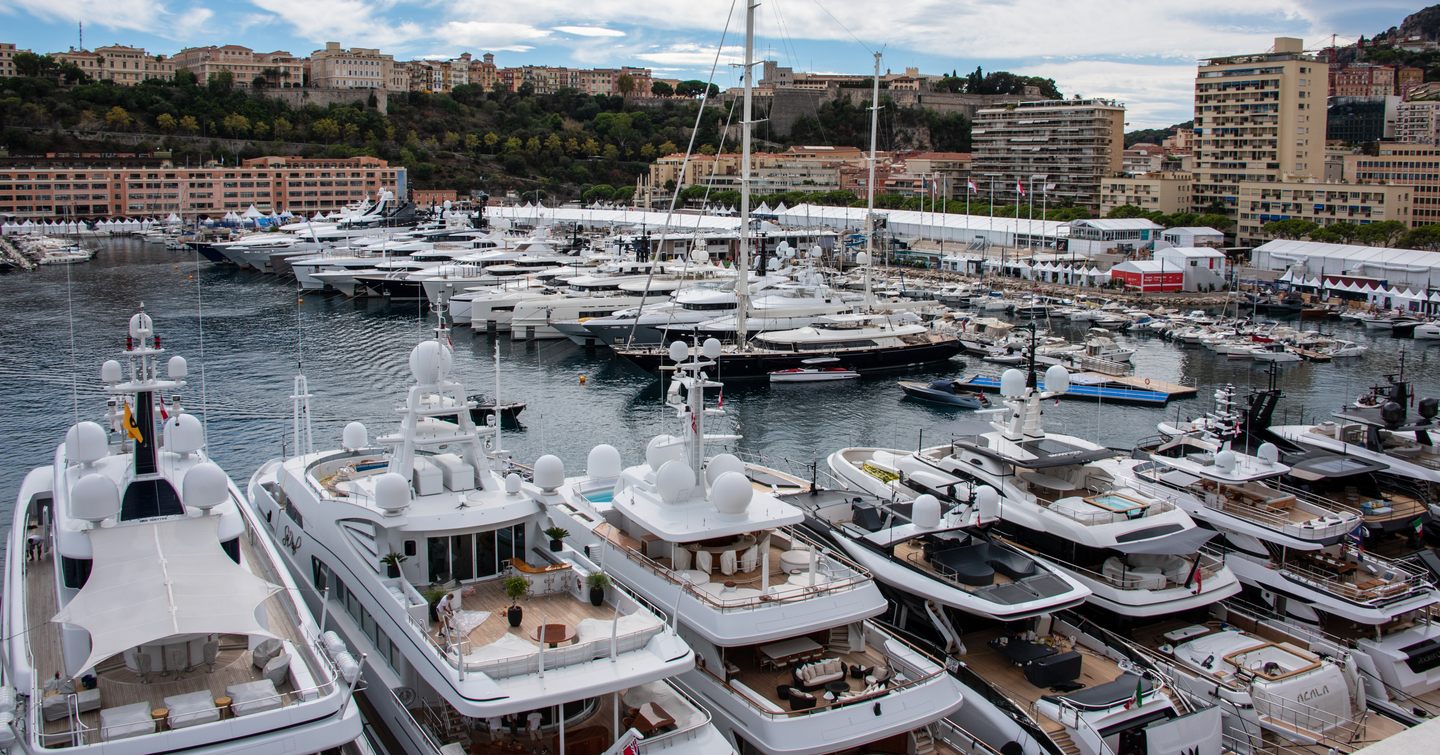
[189, 125]
[1383, 233]
[513, 144]
[611, 152]
[235, 124]
[1290, 228]
[166, 122]
[1425, 237]
[281, 127]
[667, 147]
[661, 89]
[325, 130]
[491, 139]
[118, 118]
[625, 83]
[36, 66]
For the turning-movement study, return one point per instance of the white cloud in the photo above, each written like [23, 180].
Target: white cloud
[491, 36]
[692, 56]
[352, 23]
[192, 23]
[1155, 95]
[589, 31]
[129, 15]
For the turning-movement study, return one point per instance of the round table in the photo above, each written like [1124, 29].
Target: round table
[794, 561]
[553, 634]
[833, 690]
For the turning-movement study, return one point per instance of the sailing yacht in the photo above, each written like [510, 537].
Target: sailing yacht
[147, 611]
[426, 557]
[789, 660]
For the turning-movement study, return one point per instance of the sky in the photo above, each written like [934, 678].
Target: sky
[1141, 52]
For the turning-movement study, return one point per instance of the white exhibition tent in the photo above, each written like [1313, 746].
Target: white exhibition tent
[591, 217]
[935, 226]
[159, 579]
[1399, 268]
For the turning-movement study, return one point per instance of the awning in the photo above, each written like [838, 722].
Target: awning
[1182, 543]
[159, 579]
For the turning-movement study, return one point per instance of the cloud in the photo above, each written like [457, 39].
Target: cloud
[692, 56]
[352, 23]
[589, 31]
[130, 15]
[1155, 94]
[491, 36]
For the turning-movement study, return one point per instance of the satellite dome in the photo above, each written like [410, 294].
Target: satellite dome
[720, 464]
[711, 348]
[1268, 453]
[141, 326]
[429, 362]
[1057, 379]
[603, 463]
[1225, 461]
[925, 512]
[177, 368]
[392, 493]
[110, 372]
[663, 448]
[354, 437]
[184, 434]
[862, 259]
[94, 498]
[674, 479]
[205, 486]
[549, 473]
[987, 503]
[731, 493]
[86, 442]
[678, 351]
[513, 483]
[1012, 383]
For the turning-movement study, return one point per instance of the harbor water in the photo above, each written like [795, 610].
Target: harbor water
[247, 335]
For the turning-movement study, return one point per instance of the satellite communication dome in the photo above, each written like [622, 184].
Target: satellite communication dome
[711, 348]
[925, 512]
[1012, 383]
[513, 483]
[86, 442]
[94, 498]
[731, 493]
[663, 448]
[205, 486]
[549, 473]
[1225, 461]
[177, 368]
[392, 493]
[354, 437]
[1268, 453]
[1057, 379]
[185, 434]
[720, 464]
[603, 463]
[674, 480]
[987, 503]
[429, 362]
[141, 326]
[678, 351]
[862, 259]
[110, 372]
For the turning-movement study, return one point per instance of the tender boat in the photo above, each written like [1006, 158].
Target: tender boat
[819, 370]
[948, 392]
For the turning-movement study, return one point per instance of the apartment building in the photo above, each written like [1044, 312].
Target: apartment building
[1258, 118]
[1418, 122]
[356, 68]
[276, 69]
[1068, 145]
[1143, 158]
[1358, 120]
[1373, 80]
[439, 75]
[800, 168]
[300, 185]
[938, 174]
[1169, 192]
[1416, 166]
[121, 64]
[1322, 203]
[7, 59]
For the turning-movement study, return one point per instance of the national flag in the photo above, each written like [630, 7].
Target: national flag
[132, 428]
[1418, 525]
[1137, 700]
[971, 186]
[694, 423]
[720, 400]
[1019, 188]
[1357, 536]
[164, 415]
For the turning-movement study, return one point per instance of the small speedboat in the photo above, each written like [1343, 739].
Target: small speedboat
[485, 408]
[948, 392]
[821, 370]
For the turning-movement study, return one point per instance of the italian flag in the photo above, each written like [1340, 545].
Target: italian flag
[1139, 693]
[1418, 525]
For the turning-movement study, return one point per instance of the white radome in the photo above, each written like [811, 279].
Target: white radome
[354, 437]
[603, 463]
[205, 486]
[720, 464]
[86, 442]
[1012, 383]
[549, 473]
[1057, 379]
[392, 493]
[185, 434]
[94, 498]
[925, 512]
[663, 448]
[674, 479]
[731, 493]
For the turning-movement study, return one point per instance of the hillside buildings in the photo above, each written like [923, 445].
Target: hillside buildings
[1169, 192]
[1061, 148]
[245, 66]
[48, 190]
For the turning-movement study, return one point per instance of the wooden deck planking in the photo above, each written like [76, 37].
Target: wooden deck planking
[766, 681]
[999, 671]
[560, 608]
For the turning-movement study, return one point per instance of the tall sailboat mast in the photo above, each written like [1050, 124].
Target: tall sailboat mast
[870, 184]
[742, 274]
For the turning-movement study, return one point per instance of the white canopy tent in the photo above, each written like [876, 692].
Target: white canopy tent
[160, 579]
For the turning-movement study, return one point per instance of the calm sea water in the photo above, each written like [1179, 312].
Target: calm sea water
[61, 323]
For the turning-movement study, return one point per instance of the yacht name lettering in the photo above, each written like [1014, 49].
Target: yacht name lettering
[1305, 697]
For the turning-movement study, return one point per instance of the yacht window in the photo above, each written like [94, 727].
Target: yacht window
[462, 556]
[485, 552]
[409, 548]
[76, 571]
[232, 549]
[319, 573]
[438, 551]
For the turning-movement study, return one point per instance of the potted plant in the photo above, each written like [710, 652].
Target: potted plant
[392, 561]
[597, 581]
[556, 535]
[432, 597]
[515, 587]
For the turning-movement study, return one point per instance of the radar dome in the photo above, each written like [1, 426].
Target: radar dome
[1268, 453]
[1012, 384]
[1428, 407]
[987, 503]
[816, 252]
[549, 472]
[110, 372]
[1225, 461]
[184, 434]
[513, 483]
[354, 437]
[94, 498]
[392, 493]
[141, 326]
[205, 486]
[862, 259]
[1392, 413]
[731, 493]
[925, 512]
[429, 362]
[699, 255]
[674, 480]
[720, 464]
[603, 463]
[86, 442]
[177, 368]
[678, 351]
[1057, 379]
[663, 448]
[711, 348]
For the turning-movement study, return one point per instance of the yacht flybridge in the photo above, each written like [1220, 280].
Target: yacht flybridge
[153, 615]
[383, 528]
[788, 659]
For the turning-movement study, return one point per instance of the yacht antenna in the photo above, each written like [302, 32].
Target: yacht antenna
[300, 398]
[74, 373]
[742, 272]
[496, 417]
[870, 184]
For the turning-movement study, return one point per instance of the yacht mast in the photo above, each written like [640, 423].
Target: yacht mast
[742, 273]
[870, 184]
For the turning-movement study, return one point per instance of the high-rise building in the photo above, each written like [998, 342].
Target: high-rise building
[1161, 191]
[1318, 202]
[1258, 118]
[1418, 122]
[1416, 166]
[1063, 148]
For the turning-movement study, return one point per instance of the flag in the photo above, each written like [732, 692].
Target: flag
[1048, 188]
[132, 428]
[1199, 578]
[1357, 536]
[1137, 700]
[694, 422]
[164, 415]
[1019, 187]
[1418, 525]
[971, 186]
[720, 400]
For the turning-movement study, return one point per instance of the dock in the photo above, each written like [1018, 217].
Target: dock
[1091, 386]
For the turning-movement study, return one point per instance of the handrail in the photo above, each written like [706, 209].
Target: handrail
[1217, 499]
[424, 732]
[1209, 563]
[1375, 595]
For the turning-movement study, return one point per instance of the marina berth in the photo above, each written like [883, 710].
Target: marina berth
[423, 550]
[148, 610]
